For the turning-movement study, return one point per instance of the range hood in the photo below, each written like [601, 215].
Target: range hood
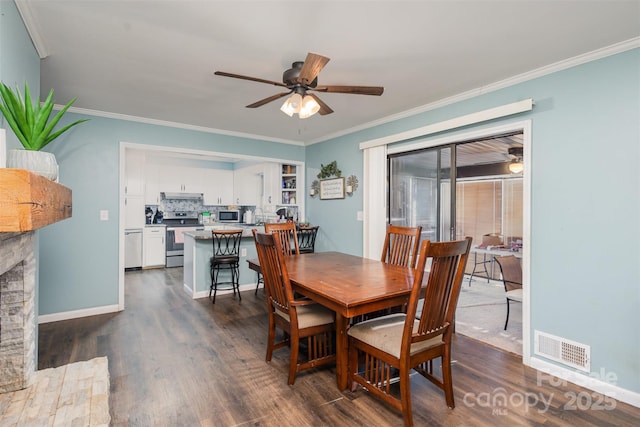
[181, 196]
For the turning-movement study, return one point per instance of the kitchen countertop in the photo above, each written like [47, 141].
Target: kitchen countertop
[206, 234]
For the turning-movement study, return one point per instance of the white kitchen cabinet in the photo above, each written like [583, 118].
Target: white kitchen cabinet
[134, 172]
[152, 186]
[176, 179]
[219, 187]
[134, 211]
[247, 185]
[272, 185]
[153, 247]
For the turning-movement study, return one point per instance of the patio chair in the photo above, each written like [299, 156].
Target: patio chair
[512, 279]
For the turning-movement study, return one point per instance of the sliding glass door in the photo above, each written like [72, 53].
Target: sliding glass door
[421, 191]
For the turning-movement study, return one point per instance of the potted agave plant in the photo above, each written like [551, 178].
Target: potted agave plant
[30, 122]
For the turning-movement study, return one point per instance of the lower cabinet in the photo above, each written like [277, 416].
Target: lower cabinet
[153, 247]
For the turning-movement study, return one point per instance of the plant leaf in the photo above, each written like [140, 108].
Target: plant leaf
[11, 109]
[30, 120]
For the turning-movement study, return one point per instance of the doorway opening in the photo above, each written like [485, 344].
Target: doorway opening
[468, 188]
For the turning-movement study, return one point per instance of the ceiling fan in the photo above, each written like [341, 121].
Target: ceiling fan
[301, 78]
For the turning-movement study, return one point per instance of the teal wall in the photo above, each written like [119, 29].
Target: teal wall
[585, 215]
[585, 197]
[19, 62]
[81, 261]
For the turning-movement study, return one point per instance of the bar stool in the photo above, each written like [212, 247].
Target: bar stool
[226, 256]
[307, 239]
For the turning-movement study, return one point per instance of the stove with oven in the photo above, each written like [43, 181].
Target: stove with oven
[177, 223]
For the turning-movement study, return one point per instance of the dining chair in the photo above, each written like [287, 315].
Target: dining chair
[396, 343]
[307, 239]
[512, 279]
[288, 238]
[297, 318]
[226, 256]
[401, 245]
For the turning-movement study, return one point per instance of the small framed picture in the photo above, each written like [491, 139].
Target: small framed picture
[332, 188]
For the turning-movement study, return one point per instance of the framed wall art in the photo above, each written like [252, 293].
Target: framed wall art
[332, 188]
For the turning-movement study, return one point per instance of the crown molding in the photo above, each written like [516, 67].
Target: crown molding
[614, 49]
[117, 116]
[31, 23]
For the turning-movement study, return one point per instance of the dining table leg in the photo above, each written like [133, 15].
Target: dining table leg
[342, 351]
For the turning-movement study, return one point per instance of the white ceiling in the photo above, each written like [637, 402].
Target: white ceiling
[155, 59]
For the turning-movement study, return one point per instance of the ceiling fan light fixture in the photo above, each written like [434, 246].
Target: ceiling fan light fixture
[292, 105]
[309, 107]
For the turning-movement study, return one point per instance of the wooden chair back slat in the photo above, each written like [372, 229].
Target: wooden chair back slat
[448, 261]
[288, 236]
[274, 271]
[401, 245]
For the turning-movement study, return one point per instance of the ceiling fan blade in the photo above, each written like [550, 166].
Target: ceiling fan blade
[312, 66]
[268, 100]
[253, 79]
[324, 108]
[356, 90]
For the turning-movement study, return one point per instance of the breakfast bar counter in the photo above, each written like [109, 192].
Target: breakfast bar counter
[198, 249]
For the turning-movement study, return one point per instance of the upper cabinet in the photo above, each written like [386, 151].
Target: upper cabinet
[134, 173]
[268, 185]
[152, 185]
[219, 187]
[271, 185]
[247, 185]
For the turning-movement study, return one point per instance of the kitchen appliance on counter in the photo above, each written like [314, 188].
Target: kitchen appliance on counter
[229, 215]
[177, 223]
[158, 217]
[148, 215]
[247, 217]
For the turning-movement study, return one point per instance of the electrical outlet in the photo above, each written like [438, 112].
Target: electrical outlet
[243, 252]
[104, 215]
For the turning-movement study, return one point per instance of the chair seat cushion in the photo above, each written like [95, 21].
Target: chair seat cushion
[385, 333]
[310, 315]
[515, 295]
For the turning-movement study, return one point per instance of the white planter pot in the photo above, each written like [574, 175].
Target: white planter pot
[39, 162]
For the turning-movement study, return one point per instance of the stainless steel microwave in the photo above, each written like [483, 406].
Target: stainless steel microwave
[229, 216]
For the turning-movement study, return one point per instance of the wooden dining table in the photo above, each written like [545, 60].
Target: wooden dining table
[350, 286]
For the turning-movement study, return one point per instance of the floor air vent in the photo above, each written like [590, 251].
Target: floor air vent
[563, 350]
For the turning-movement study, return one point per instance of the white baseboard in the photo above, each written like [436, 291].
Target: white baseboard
[594, 382]
[75, 314]
[205, 294]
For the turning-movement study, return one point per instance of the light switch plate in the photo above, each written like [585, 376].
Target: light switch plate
[104, 215]
[360, 216]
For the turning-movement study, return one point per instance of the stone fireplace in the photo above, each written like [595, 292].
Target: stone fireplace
[17, 311]
[27, 202]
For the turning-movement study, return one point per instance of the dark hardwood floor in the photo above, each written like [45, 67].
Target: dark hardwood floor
[174, 361]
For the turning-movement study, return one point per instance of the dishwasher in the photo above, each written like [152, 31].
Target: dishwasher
[133, 248]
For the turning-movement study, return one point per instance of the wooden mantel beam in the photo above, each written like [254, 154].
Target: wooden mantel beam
[29, 201]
